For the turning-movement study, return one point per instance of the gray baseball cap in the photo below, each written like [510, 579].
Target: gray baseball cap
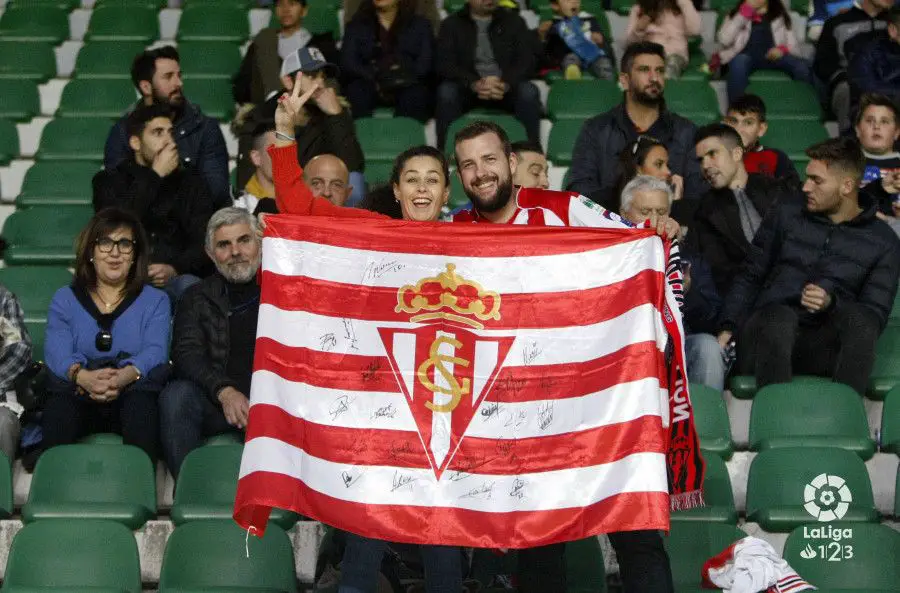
[307, 60]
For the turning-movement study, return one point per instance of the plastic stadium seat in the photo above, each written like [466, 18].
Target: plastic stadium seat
[9, 142]
[102, 438]
[27, 61]
[19, 99]
[886, 372]
[6, 487]
[744, 386]
[36, 331]
[581, 99]
[584, 566]
[378, 172]
[897, 495]
[458, 197]
[785, 487]
[96, 98]
[717, 494]
[209, 59]
[207, 485]
[44, 235]
[787, 100]
[514, 128]
[123, 23]
[210, 556]
[322, 18]
[83, 555]
[894, 319]
[384, 139]
[810, 415]
[711, 419]
[35, 286]
[213, 96]
[73, 140]
[770, 76]
[794, 137]
[93, 482]
[562, 141]
[872, 563]
[35, 22]
[107, 59]
[57, 184]
[691, 544]
[212, 22]
[226, 438]
[692, 98]
[890, 422]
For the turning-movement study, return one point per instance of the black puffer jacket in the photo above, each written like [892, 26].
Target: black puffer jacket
[855, 261]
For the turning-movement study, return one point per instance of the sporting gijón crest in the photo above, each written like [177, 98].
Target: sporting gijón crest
[444, 367]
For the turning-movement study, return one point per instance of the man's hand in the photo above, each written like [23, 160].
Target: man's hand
[643, 22]
[686, 277]
[774, 54]
[890, 181]
[814, 298]
[166, 160]
[724, 339]
[677, 182]
[496, 88]
[235, 406]
[160, 274]
[665, 226]
[482, 88]
[327, 100]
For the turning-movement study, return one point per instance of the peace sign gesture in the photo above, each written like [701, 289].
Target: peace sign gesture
[291, 104]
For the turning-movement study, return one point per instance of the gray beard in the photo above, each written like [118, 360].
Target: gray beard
[238, 274]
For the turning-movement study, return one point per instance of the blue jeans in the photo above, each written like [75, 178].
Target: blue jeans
[705, 361]
[743, 65]
[362, 561]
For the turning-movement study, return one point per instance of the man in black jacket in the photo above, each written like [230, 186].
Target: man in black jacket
[172, 202]
[485, 56]
[819, 282]
[213, 341]
[730, 213]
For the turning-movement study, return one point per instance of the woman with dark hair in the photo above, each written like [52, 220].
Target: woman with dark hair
[387, 58]
[669, 23]
[645, 156]
[107, 339]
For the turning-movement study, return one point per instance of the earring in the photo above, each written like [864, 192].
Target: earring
[92, 260]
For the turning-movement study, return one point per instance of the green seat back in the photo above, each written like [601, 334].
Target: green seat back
[890, 422]
[717, 494]
[794, 137]
[792, 486]
[36, 331]
[66, 555]
[213, 96]
[64, 5]
[9, 142]
[35, 286]
[585, 572]
[458, 197]
[209, 59]
[133, 22]
[691, 544]
[35, 22]
[57, 184]
[379, 172]
[711, 420]
[810, 415]
[73, 140]
[897, 495]
[514, 128]
[581, 99]
[770, 76]
[692, 98]
[19, 99]
[213, 22]
[562, 141]
[96, 98]
[27, 61]
[83, 481]
[322, 18]
[211, 555]
[886, 372]
[102, 438]
[787, 100]
[894, 318]
[384, 139]
[744, 386]
[6, 487]
[107, 59]
[44, 235]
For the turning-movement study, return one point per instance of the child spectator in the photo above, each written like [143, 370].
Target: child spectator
[574, 41]
[668, 23]
[747, 115]
[757, 35]
[878, 129]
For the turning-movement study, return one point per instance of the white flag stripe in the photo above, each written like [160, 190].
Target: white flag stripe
[301, 329]
[331, 407]
[568, 488]
[535, 274]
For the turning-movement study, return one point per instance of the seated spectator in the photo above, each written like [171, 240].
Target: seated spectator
[646, 196]
[758, 35]
[648, 156]
[819, 282]
[878, 129]
[843, 36]
[820, 11]
[259, 75]
[643, 112]
[730, 213]
[213, 341]
[387, 60]
[170, 201]
[327, 177]
[485, 56]
[424, 8]
[876, 69]
[574, 41]
[747, 115]
[107, 339]
[260, 187]
[532, 168]
[668, 23]
[15, 358]
[157, 77]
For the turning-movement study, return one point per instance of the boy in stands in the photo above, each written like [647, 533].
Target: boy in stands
[747, 115]
[877, 129]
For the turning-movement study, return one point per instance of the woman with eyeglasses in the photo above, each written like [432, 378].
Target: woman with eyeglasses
[107, 339]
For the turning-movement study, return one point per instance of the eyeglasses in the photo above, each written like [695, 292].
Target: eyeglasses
[103, 341]
[105, 245]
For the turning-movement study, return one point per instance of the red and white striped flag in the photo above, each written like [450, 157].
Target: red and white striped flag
[457, 384]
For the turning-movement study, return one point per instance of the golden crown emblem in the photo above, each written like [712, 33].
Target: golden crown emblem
[449, 296]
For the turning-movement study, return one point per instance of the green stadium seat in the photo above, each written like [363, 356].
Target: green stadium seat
[209, 59]
[35, 286]
[784, 490]
[691, 544]
[692, 98]
[213, 22]
[57, 184]
[744, 386]
[226, 438]
[74, 556]
[102, 438]
[890, 422]
[886, 372]
[717, 494]
[207, 484]
[585, 571]
[869, 561]
[322, 18]
[711, 420]
[786, 100]
[19, 100]
[96, 98]
[9, 142]
[695, 67]
[810, 415]
[770, 76]
[213, 96]
[458, 197]
[36, 331]
[562, 141]
[34, 22]
[514, 128]
[623, 7]
[158, 4]
[794, 137]
[107, 59]
[581, 99]
[65, 5]
[384, 139]
[44, 235]
[27, 61]
[378, 172]
[211, 556]
[894, 319]
[123, 23]
[6, 487]
[897, 495]
[73, 140]
[93, 482]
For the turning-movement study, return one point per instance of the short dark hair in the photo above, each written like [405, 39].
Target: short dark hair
[749, 105]
[479, 128]
[527, 146]
[877, 100]
[144, 65]
[724, 132]
[415, 151]
[102, 224]
[138, 119]
[260, 131]
[843, 153]
[640, 48]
